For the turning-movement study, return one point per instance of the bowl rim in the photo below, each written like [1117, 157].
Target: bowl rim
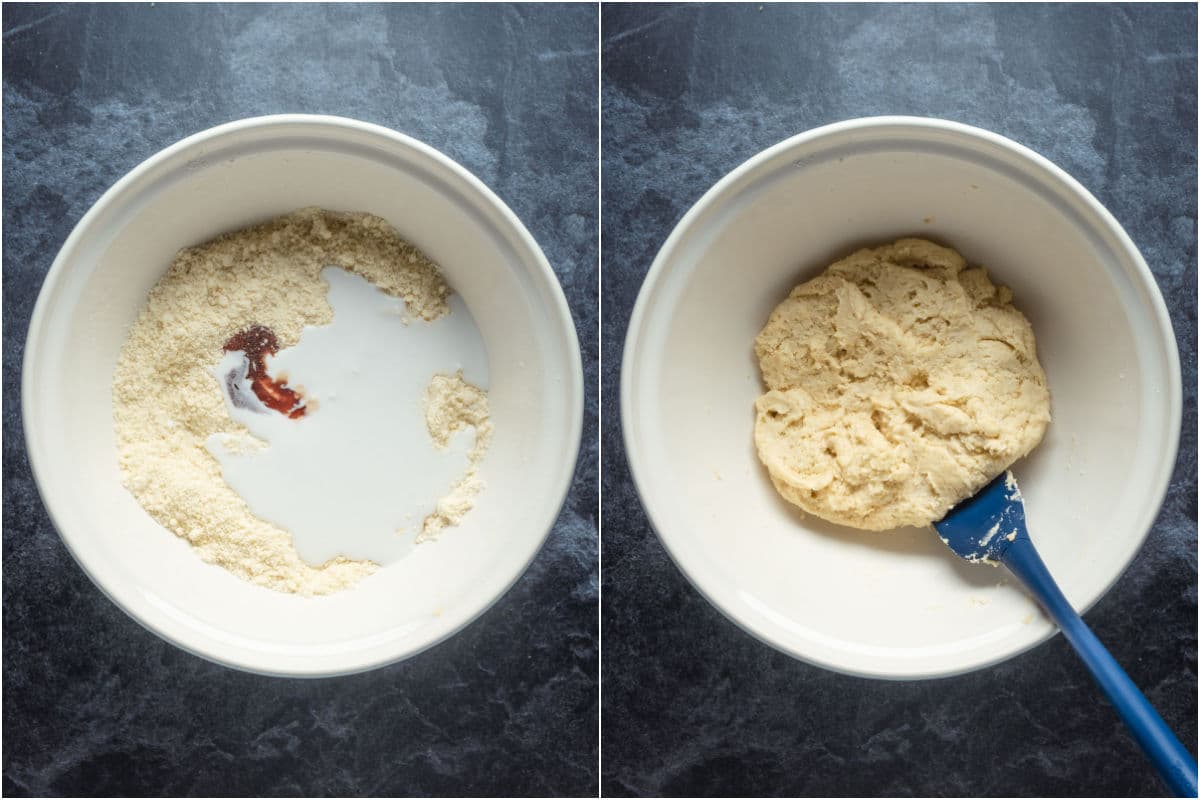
[559, 314]
[915, 124]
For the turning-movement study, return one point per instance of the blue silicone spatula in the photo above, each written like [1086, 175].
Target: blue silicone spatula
[991, 527]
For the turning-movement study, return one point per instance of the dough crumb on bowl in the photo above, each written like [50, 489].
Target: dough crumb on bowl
[899, 382]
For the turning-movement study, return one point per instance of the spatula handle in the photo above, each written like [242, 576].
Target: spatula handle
[1172, 760]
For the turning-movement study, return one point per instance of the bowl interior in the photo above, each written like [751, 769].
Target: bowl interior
[896, 604]
[246, 173]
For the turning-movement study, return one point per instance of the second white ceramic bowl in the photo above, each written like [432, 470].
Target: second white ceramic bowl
[230, 177]
[897, 604]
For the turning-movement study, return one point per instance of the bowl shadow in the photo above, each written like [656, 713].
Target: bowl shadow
[901, 543]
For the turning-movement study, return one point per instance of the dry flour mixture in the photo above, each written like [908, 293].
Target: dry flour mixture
[254, 291]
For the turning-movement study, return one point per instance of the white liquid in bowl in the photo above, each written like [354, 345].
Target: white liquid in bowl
[358, 473]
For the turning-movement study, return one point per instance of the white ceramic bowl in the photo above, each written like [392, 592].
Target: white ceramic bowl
[229, 177]
[897, 604]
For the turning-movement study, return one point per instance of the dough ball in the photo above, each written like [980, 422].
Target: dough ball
[899, 383]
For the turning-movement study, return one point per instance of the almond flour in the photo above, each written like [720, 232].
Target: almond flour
[166, 403]
[452, 404]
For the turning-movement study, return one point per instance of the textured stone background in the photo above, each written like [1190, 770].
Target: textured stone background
[692, 705]
[94, 704]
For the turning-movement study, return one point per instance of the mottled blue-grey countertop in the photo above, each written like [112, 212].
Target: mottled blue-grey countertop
[93, 703]
[692, 704]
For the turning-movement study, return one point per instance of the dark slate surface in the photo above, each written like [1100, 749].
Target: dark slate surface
[691, 703]
[93, 703]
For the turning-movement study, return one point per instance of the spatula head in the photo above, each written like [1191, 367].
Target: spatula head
[982, 527]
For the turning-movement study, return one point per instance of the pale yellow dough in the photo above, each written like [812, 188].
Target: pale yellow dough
[899, 383]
